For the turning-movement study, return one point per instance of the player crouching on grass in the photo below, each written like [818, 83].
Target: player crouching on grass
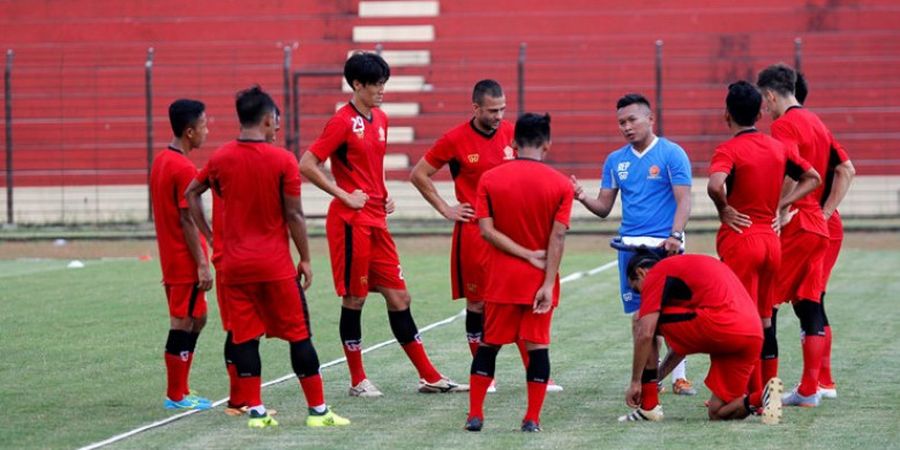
[698, 305]
[182, 251]
[523, 210]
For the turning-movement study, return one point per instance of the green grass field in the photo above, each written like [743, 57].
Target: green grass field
[81, 361]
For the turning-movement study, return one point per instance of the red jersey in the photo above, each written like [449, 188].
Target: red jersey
[218, 212]
[524, 197]
[470, 153]
[698, 288]
[357, 145]
[800, 128]
[756, 165]
[251, 177]
[170, 175]
[838, 156]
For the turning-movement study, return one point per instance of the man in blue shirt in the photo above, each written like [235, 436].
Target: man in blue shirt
[654, 175]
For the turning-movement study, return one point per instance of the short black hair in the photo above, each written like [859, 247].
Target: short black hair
[367, 68]
[486, 87]
[184, 113]
[743, 102]
[642, 259]
[532, 130]
[252, 105]
[630, 99]
[801, 89]
[780, 78]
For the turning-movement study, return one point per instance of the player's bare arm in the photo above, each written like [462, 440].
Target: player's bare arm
[421, 179]
[192, 238]
[311, 168]
[735, 219]
[682, 195]
[644, 341]
[193, 194]
[543, 300]
[600, 206]
[537, 258]
[808, 181]
[784, 215]
[296, 222]
[843, 176]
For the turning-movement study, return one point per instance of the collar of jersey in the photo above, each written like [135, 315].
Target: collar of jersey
[482, 133]
[368, 119]
[649, 147]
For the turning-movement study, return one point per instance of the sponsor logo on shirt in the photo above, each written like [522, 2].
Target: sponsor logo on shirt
[473, 157]
[653, 172]
[622, 170]
[508, 153]
[359, 126]
[381, 136]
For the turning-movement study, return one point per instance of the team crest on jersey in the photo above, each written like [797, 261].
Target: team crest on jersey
[472, 157]
[359, 127]
[508, 153]
[653, 172]
[622, 170]
[381, 135]
[364, 280]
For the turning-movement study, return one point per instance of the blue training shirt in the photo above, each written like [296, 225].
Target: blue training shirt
[645, 182]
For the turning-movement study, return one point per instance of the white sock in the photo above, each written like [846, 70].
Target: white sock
[259, 409]
[679, 371]
[319, 409]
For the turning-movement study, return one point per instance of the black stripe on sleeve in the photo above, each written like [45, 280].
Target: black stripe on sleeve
[793, 170]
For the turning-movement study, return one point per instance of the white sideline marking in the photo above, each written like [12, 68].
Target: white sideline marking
[571, 277]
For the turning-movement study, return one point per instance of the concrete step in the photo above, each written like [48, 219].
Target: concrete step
[370, 9]
[393, 33]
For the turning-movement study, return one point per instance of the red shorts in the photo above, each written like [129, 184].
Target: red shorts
[729, 371]
[274, 308]
[505, 323]
[468, 262]
[362, 258]
[223, 304]
[831, 256]
[755, 258]
[185, 300]
[802, 258]
[732, 356]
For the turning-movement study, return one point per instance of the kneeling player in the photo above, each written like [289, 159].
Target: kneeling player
[523, 210]
[699, 306]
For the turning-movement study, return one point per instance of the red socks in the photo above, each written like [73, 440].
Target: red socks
[825, 378]
[478, 387]
[251, 390]
[355, 363]
[813, 349]
[416, 353]
[536, 394]
[234, 393]
[649, 395]
[523, 352]
[313, 390]
[176, 377]
[769, 369]
[187, 373]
